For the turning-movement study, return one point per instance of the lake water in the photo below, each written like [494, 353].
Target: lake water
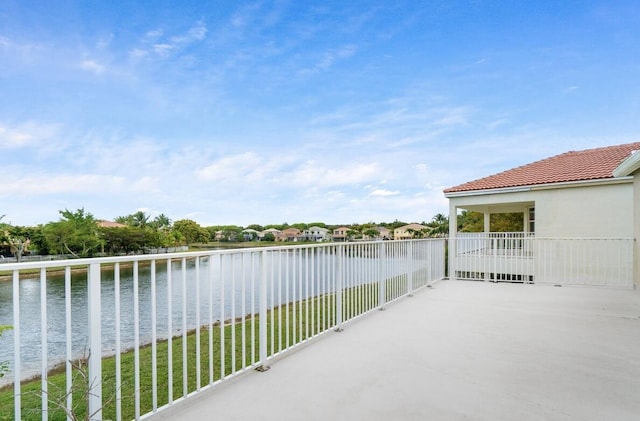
[234, 277]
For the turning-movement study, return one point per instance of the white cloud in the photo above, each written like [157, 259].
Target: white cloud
[92, 66]
[27, 134]
[315, 174]
[23, 49]
[492, 125]
[13, 138]
[163, 50]
[450, 116]
[196, 33]
[138, 53]
[154, 34]
[155, 42]
[234, 167]
[246, 15]
[104, 42]
[65, 183]
[330, 57]
[394, 123]
[383, 193]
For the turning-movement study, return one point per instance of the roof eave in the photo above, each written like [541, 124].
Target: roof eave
[548, 186]
[628, 166]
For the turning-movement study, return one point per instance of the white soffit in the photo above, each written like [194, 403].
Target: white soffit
[628, 166]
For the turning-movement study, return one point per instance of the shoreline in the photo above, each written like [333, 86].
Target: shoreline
[36, 274]
[7, 276]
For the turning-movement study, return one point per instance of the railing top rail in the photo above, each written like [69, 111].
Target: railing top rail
[497, 234]
[532, 237]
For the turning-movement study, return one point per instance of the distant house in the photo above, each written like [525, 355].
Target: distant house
[110, 224]
[273, 231]
[409, 231]
[340, 234]
[383, 234]
[250, 234]
[289, 234]
[315, 233]
[589, 194]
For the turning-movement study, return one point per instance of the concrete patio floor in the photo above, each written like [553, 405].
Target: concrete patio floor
[459, 351]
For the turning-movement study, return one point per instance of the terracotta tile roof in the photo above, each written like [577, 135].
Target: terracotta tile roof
[590, 164]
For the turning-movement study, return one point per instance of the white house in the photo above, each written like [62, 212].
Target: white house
[250, 234]
[316, 233]
[590, 194]
[273, 231]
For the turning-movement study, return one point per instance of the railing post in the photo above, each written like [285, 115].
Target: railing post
[381, 274]
[410, 269]
[17, 363]
[95, 344]
[494, 247]
[43, 328]
[339, 283]
[262, 328]
[454, 244]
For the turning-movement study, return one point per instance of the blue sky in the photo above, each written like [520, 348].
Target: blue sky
[232, 112]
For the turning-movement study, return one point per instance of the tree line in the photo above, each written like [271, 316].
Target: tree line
[79, 234]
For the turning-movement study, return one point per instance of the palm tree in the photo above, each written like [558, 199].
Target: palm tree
[140, 219]
[161, 222]
[439, 226]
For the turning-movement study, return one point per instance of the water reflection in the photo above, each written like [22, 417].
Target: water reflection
[189, 295]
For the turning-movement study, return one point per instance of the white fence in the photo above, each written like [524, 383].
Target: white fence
[135, 334]
[560, 261]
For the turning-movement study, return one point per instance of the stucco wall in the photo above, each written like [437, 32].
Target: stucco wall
[587, 211]
[596, 211]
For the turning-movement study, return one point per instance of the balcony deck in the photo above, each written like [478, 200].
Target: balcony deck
[461, 350]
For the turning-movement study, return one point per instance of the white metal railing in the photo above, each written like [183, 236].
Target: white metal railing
[558, 261]
[134, 334]
[483, 243]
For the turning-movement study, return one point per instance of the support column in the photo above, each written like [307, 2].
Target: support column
[490, 242]
[636, 229]
[453, 230]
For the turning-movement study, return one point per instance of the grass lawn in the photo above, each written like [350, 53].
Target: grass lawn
[287, 326]
[299, 320]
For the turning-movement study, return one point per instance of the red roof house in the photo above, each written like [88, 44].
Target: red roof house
[593, 193]
[110, 224]
[590, 164]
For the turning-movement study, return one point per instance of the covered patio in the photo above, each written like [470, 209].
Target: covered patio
[579, 221]
[459, 350]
